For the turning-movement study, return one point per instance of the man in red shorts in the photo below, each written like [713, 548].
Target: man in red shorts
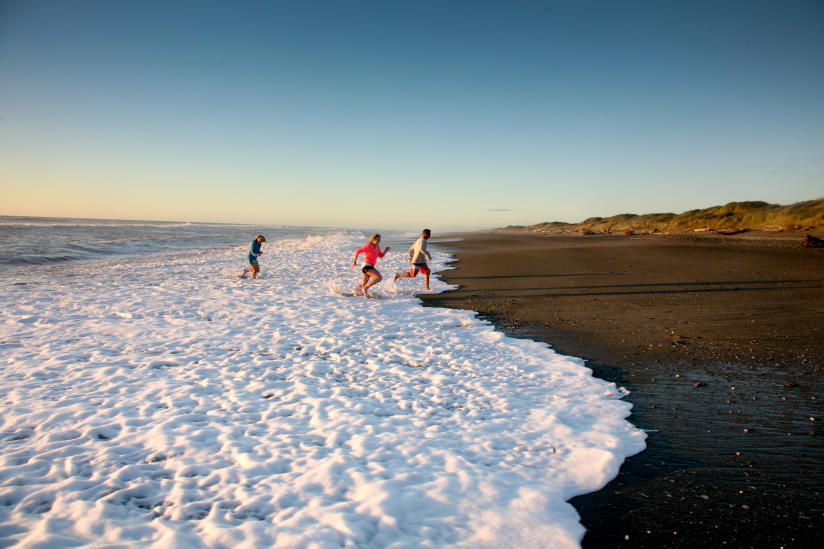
[418, 256]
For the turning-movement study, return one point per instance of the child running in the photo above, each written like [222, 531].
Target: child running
[417, 257]
[371, 252]
[254, 253]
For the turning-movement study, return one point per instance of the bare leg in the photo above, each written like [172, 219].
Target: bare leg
[405, 274]
[376, 277]
[426, 279]
[359, 287]
[252, 268]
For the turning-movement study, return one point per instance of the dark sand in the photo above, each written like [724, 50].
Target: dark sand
[720, 340]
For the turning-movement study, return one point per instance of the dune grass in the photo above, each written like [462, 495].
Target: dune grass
[735, 216]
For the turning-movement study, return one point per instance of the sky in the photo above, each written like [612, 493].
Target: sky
[401, 114]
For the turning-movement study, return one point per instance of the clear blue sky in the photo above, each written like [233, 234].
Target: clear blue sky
[401, 114]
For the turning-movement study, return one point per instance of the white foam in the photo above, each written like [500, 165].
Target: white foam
[161, 402]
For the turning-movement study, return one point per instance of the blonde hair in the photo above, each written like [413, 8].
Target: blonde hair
[373, 238]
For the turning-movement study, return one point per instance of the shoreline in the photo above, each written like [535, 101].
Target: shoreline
[718, 341]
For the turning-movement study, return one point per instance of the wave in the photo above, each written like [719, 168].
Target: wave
[27, 243]
[358, 408]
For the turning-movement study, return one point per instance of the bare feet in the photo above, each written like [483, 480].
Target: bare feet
[396, 278]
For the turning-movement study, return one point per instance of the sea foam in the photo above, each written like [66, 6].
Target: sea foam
[160, 401]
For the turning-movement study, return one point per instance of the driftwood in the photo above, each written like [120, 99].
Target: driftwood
[812, 242]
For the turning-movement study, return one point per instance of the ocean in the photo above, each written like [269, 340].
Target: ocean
[42, 241]
[152, 398]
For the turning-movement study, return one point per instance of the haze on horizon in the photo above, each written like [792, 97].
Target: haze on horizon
[457, 115]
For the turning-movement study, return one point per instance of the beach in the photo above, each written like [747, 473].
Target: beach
[719, 341]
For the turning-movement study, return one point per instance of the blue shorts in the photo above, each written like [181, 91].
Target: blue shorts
[252, 260]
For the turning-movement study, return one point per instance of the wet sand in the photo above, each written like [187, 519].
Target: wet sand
[719, 339]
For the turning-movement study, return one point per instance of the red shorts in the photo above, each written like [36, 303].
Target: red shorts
[415, 268]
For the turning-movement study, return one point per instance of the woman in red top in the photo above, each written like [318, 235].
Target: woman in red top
[371, 252]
